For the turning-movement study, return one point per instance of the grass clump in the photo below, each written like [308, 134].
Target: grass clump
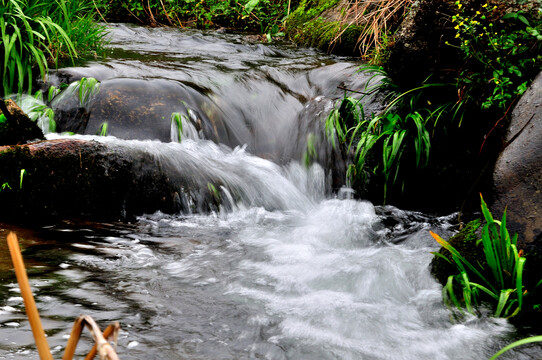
[38, 34]
[496, 281]
[469, 102]
[395, 141]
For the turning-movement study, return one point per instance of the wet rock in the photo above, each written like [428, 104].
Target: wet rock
[135, 109]
[71, 179]
[517, 178]
[15, 126]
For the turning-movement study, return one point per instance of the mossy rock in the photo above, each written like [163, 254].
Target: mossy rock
[317, 24]
[464, 242]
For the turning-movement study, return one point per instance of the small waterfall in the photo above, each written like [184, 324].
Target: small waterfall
[200, 169]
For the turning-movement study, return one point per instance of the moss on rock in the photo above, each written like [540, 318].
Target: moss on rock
[464, 242]
[316, 23]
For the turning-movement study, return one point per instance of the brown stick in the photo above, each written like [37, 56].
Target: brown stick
[28, 298]
[101, 344]
[75, 335]
[112, 329]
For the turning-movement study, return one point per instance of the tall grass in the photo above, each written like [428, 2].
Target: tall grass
[499, 282]
[36, 34]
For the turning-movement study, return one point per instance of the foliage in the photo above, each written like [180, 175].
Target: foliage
[39, 33]
[103, 129]
[500, 284]
[401, 133]
[502, 53]
[6, 186]
[264, 16]
[87, 88]
[37, 111]
[310, 154]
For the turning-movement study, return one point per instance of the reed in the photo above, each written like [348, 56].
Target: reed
[28, 298]
[102, 346]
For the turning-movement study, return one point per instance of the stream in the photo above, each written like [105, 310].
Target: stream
[289, 266]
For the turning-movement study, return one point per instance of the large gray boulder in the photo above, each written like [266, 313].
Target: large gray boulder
[517, 178]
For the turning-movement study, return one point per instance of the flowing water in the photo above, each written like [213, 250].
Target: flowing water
[287, 267]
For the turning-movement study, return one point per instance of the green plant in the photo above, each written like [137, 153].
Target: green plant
[264, 16]
[310, 150]
[502, 52]
[21, 176]
[38, 112]
[498, 283]
[177, 120]
[401, 131]
[87, 88]
[37, 33]
[103, 129]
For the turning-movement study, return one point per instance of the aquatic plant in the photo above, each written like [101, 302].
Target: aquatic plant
[499, 282]
[87, 88]
[37, 111]
[35, 34]
[177, 120]
[310, 154]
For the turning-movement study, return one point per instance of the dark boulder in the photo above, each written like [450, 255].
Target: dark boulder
[517, 177]
[418, 49]
[71, 179]
[135, 109]
[15, 126]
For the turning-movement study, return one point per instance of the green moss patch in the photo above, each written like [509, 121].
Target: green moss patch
[464, 242]
[315, 24]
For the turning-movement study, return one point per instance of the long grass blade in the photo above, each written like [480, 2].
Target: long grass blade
[516, 344]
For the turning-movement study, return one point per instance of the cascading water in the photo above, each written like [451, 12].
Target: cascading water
[284, 268]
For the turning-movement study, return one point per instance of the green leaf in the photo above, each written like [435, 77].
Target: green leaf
[251, 4]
